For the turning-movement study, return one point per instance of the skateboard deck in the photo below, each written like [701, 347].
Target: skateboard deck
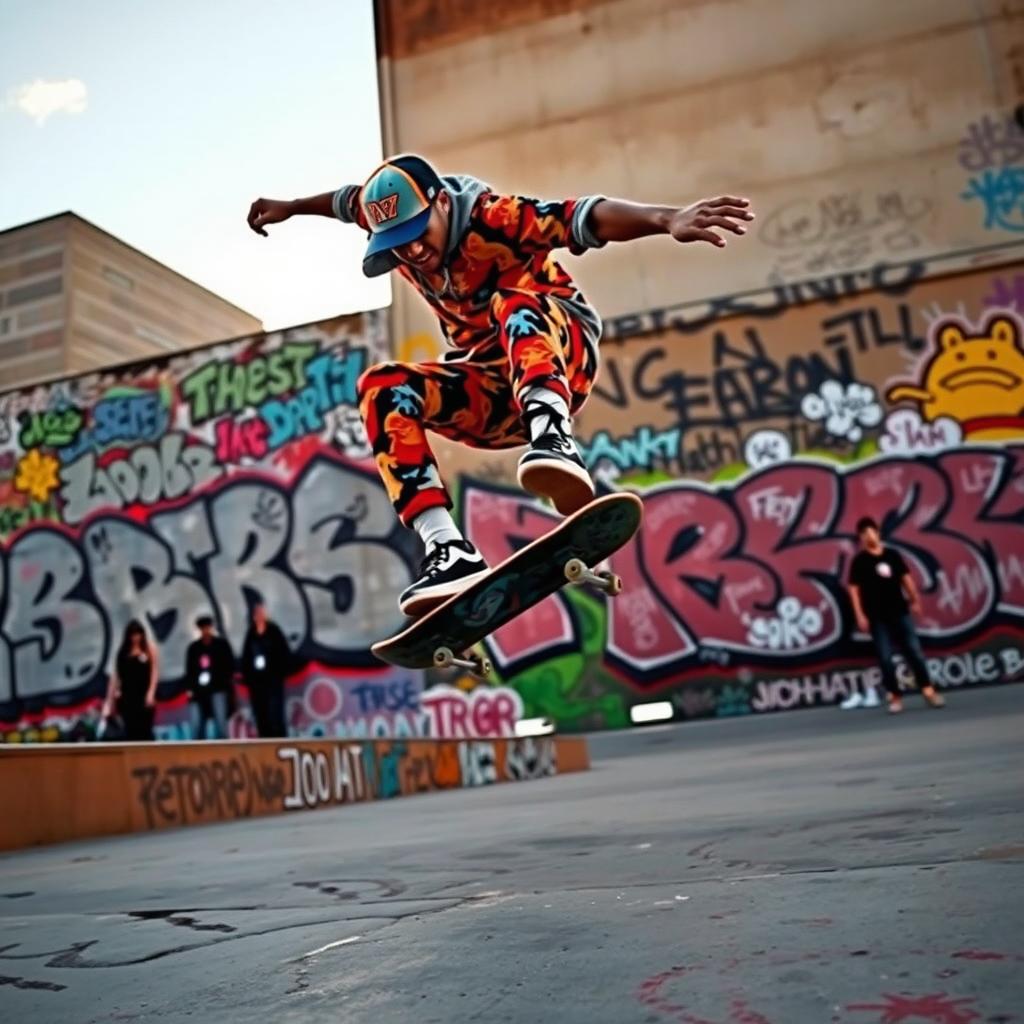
[529, 575]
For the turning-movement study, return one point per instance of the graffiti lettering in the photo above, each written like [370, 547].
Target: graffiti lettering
[1002, 195]
[239, 441]
[219, 387]
[757, 569]
[68, 599]
[332, 381]
[746, 384]
[644, 449]
[219, 788]
[317, 779]
[454, 715]
[149, 474]
[54, 427]
[865, 330]
[989, 142]
[122, 418]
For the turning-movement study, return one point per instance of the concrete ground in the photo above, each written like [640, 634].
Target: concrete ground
[819, 866]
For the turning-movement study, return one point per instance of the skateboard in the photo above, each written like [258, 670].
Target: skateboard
[567, 553]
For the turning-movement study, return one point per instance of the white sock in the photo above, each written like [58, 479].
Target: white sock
[436, 526]
[542, 424]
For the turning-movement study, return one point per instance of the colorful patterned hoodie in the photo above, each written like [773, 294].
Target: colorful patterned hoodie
[495, 242]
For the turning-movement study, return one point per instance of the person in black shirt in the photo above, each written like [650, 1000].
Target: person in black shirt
[265, 658]
[132, 687]
[880, 586]
[209, 671]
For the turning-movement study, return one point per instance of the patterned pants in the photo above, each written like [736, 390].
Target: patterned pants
[476, 402]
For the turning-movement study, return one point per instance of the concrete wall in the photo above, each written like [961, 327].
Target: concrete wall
[863, 133]
[55, 794]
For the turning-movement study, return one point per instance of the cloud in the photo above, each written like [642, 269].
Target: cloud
[845, 410]
[41, 99]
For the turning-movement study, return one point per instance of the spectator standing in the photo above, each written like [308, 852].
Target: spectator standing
[884, 598]
[265, 659]
[131, 691]
[209, 672]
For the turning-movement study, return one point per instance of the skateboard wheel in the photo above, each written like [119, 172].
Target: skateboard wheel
[443, 657]
[613, 583]
[575, 570]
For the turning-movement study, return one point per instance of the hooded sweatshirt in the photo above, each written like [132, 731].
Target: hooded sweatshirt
[495, 243]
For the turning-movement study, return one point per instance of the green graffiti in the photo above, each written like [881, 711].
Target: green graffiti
[218, 388]
[732, 700]
[54, 428]
[564, 689]
[15, 517]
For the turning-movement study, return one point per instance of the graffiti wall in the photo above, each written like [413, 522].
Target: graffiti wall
[758, 428]
[57, 793]
[196, 485]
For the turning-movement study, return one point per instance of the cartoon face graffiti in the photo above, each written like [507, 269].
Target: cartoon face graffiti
[977, 380]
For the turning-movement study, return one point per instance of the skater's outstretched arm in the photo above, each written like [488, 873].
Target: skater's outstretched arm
[616, 220]
[340, 204]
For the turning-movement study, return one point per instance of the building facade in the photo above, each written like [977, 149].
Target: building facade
[75, 298]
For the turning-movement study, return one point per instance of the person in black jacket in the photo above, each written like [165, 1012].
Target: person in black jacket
[209, 671]
[884, 597]
[132, 687]
[265, 660]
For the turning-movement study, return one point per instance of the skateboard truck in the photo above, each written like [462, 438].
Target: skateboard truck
[474, 664]
[576, 571]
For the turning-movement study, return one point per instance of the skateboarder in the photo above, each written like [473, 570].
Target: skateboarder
[880, 583]
[523, 340]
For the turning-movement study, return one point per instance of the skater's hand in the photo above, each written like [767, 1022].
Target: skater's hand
[150, 700]
[268, 211]
[862, 624]
[915, 608]
[694, 223]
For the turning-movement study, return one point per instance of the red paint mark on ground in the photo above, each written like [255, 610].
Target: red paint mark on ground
[978, 954]
[650, 994]
[938, 1009]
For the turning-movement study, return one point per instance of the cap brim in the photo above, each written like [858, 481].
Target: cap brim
[379, 258]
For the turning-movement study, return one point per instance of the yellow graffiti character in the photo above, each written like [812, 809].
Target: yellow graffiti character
[977, 380]
[37, 475]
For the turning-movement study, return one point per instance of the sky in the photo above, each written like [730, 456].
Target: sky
[161, 122]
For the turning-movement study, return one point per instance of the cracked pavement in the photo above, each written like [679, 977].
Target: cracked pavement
[817, 866]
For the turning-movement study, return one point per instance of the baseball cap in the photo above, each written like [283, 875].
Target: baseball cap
[396, 201]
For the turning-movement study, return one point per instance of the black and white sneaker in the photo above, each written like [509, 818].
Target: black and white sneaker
[447, 570]
[553, 467]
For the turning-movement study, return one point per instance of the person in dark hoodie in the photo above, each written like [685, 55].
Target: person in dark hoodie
[265, 659]
[209, 674]
[523, 338]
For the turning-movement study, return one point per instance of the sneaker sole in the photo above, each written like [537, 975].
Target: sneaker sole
[427, 600]
[567, 485]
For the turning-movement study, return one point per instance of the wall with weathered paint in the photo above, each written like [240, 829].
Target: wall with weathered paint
[864, 133]
[56, 794]
[757, 439]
